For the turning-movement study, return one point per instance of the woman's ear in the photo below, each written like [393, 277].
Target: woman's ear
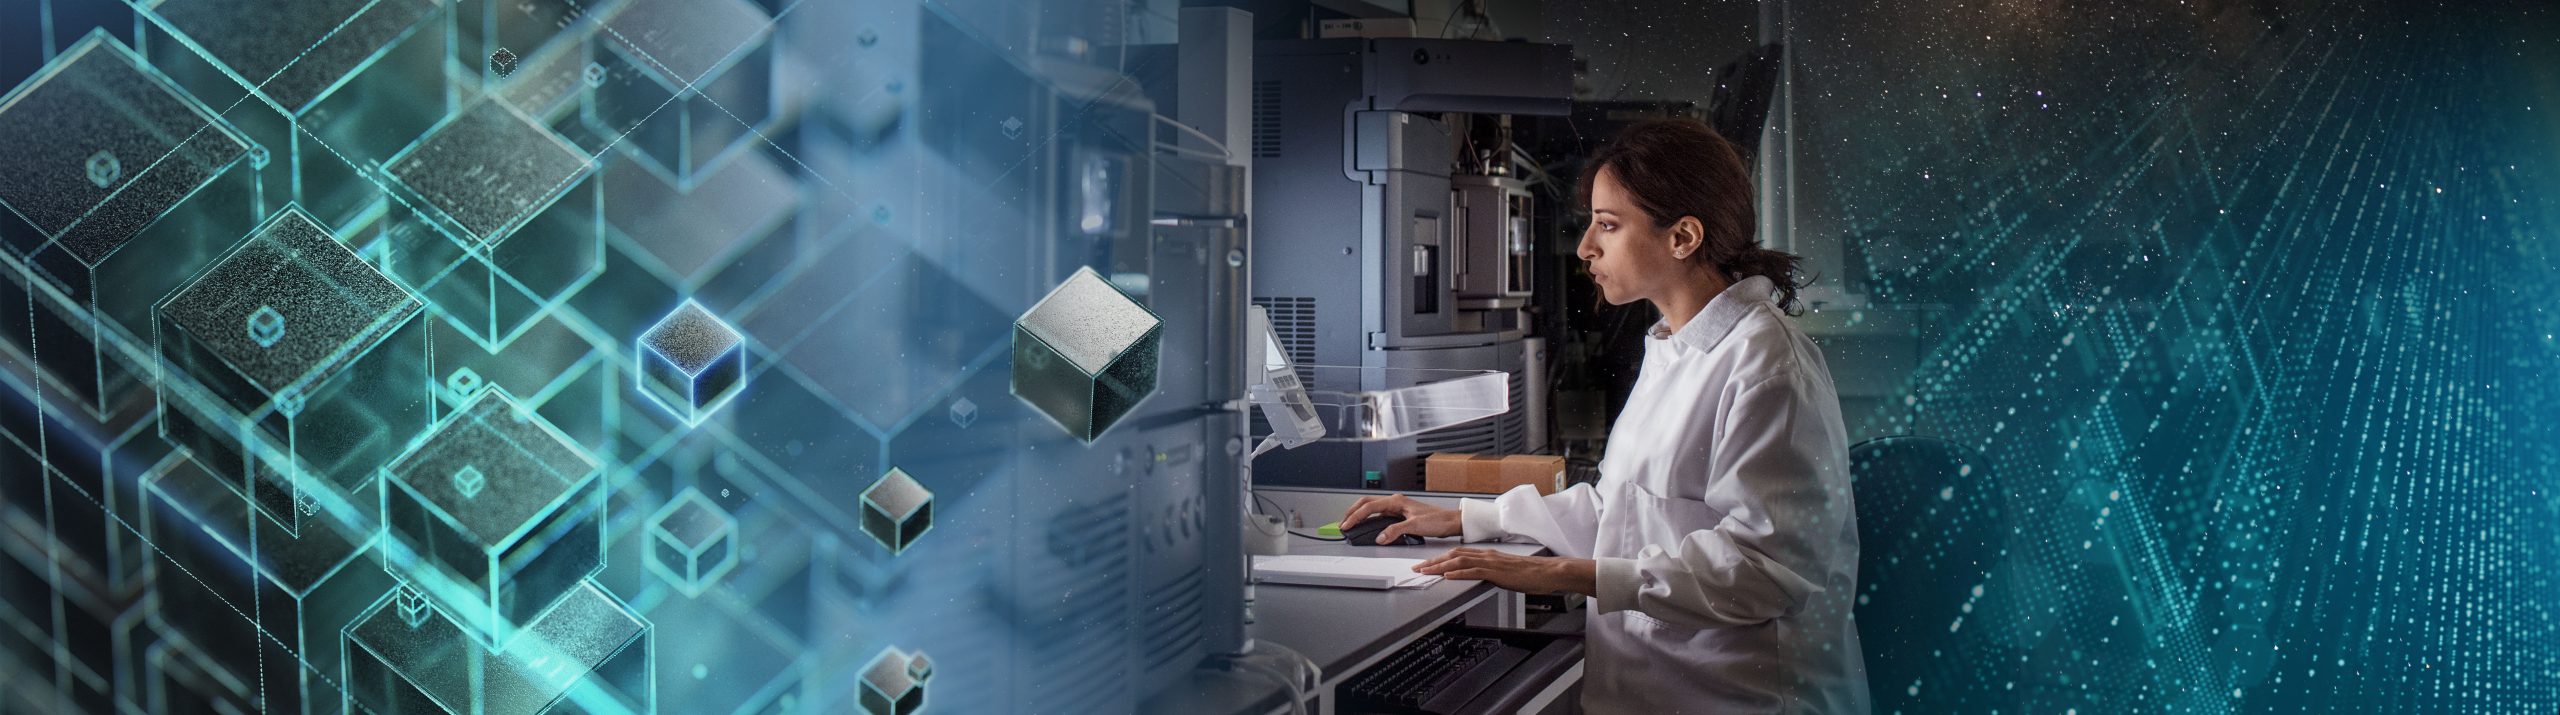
[1687, 236]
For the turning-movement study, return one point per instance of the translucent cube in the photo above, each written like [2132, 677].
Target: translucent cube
[1086, 354]
[591, 653]
[888, 685]
[692, 542]
[307, 356]
[896, 510]
[502, 220]
[685, 81]
[493, 558]
[206, 549]
[332, 85]
[120, 187]
[691, 362]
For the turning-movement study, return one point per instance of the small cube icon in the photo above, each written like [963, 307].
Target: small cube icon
[919, 667]
[266, 326]
[493, 516]
[896, 510]
[691, 362]
[887, 688]
[1086, 354]
[414, 608]
[469, 481]
[692, 542]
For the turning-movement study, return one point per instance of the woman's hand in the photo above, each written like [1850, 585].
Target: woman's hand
[1419, 519]
[1526, 574]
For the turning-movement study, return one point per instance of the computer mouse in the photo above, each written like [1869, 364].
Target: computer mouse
[1365, 533]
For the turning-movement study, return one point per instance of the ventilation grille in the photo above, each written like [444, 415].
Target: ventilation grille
[1266, 118]
[1174, 621]
[1294, 319]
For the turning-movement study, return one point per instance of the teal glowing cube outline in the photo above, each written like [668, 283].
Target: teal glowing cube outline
[553, 534]
[708, 527]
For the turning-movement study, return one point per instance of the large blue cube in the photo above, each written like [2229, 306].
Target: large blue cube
[494, 516]
[692, 362]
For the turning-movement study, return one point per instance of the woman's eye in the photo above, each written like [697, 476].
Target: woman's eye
[1606, 226]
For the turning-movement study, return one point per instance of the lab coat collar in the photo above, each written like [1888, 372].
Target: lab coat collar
[1718, 318]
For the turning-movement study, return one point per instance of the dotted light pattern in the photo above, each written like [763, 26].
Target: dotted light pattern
[2242, 311]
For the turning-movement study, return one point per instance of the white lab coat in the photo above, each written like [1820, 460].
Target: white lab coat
[1726, 546]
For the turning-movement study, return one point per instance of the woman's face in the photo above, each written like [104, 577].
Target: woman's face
[1630, 257]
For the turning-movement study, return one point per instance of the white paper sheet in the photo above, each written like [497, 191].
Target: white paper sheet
[1341, 571]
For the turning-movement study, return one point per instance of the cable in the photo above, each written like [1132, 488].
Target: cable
[1223, 153]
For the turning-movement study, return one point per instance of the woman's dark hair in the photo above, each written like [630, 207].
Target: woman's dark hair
[1679, 167]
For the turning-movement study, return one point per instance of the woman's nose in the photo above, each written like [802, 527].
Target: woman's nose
[1586, 249]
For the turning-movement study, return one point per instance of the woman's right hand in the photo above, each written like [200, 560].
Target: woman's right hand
[1419, 519]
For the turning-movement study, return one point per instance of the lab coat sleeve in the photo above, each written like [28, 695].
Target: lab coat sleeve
[1783, 495]
[1564, 522]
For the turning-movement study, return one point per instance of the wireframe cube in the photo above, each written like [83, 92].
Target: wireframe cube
[888, 686]
[896, 510]
[493, 558]
[691, 362]
[504, 220]
[307, 358]
[332, 85]
[1085, 355]
[206, 549]
[686, 80]
[692, 542]
[105, 155]
[590, 653]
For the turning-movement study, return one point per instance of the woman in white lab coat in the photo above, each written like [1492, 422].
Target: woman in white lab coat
[1719, 546]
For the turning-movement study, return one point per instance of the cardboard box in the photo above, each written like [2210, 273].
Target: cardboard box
[1492, 473]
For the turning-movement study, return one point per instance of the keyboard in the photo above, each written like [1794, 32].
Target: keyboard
[1437, 674]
